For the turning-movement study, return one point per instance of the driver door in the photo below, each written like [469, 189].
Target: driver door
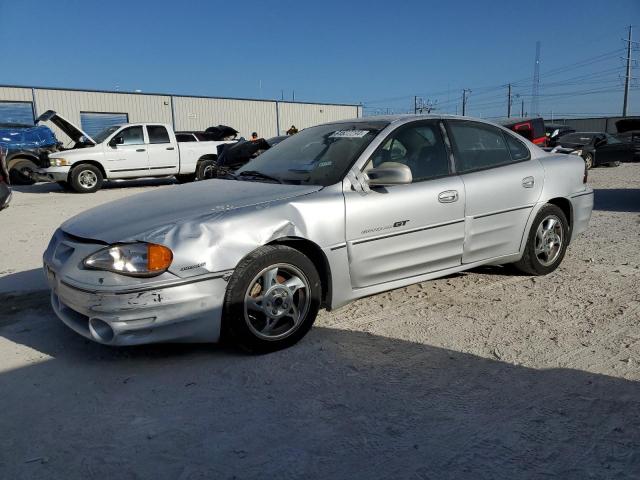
[129, 158]
[402, 231]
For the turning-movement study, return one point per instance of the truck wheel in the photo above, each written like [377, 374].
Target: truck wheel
[206, 169]
[20, 172]
[547, 242]
[86, 178]
[272, 299]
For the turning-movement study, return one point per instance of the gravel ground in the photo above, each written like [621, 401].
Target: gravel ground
[485, 375]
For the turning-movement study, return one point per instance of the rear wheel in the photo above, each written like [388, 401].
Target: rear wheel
[272, 299]
[206, 169]
[547, 242]
[588, 160]
[20, 172]
[86, 178]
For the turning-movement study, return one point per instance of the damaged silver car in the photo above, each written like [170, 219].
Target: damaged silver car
[337, 212]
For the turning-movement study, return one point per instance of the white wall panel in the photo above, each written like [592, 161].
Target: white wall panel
[304, 115]
[246, 116]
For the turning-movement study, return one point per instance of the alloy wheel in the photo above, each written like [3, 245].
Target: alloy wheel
[549, 238]
[277, 301]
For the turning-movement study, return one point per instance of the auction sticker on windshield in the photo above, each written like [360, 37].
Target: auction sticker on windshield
[349, 134]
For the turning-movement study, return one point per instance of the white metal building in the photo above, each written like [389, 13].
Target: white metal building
[95, 109]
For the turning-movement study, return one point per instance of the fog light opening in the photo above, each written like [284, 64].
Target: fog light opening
[100, 330]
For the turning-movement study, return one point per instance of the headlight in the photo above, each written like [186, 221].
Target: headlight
[135, 259]
[59, 162]
[577, 152]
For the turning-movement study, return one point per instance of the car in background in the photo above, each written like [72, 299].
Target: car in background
[5, 189]
[596, 148]
[530, 128]
[629, 132]
[27, 149]
[555, 131]
[337, 212]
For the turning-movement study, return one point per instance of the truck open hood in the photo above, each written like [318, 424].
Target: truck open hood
[74, 133]
[130, 218]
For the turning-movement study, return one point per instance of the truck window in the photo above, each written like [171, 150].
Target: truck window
[185, 137]
[157, 134]
[132, 136]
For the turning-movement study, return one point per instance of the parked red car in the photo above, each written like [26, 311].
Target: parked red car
[530, 128]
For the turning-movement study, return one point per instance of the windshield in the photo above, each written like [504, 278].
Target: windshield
[104, 134]
[318, 155]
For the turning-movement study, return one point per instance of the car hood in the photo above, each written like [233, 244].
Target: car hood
[74, 132]
[131, 218]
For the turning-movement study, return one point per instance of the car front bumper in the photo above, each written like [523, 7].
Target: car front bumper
[186, 311]
[51, 174]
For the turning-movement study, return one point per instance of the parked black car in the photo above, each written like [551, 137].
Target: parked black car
[5, 190]
[555, 131]
[597, 148]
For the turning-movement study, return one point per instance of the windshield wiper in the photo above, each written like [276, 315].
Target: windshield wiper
[257, 174]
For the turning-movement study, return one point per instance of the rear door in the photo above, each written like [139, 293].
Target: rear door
[502, 183]
[609, 149]
[127, 158]
[163, 154]
[403, 231]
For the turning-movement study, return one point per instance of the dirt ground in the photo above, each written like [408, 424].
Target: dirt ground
[485, 375]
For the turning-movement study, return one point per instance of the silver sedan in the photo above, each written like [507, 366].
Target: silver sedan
[337, 212]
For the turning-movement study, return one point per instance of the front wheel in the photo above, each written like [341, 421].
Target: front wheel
[547, 242]
[21, 171]
[86, 178]
[272, 299]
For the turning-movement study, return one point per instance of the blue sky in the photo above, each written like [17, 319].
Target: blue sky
[380, 53]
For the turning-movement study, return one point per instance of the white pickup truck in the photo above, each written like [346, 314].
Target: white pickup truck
[132, 150]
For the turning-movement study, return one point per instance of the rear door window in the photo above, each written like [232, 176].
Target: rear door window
[478, 146]
[158, 134]
[519, 151]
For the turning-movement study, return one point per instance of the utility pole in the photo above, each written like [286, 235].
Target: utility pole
[415, 104]
[464, 100]
[509, 101]
[535, 90]
[627, 79]
[522, 109]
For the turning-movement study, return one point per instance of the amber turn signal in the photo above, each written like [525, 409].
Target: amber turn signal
[159, 257]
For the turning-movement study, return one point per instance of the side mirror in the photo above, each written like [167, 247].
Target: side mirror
[116, 141]
[389, 173]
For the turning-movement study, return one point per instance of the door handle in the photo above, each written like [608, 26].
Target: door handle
[170, 148]
[448, 196]
[528, 182]
[140, 150]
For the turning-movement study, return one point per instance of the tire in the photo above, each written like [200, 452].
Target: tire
[588, 160]
[86, 178]
[539, 258]
[613, 164]
[206, 169]
[19, 172]
[292, 312]
[185, 178]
